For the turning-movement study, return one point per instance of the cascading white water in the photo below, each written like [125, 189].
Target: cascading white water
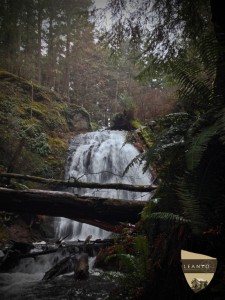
[101, 157]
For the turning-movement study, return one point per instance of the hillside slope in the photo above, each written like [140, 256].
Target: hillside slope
[35, 127]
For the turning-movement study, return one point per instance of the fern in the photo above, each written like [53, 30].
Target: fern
[198, 146]
[169, 141]
[135, 264]
[220, 123]
[195, 78]
[167, 217]
[136, 160]
[127, 261]
[189, 195]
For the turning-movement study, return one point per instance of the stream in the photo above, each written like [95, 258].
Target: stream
[25, 282]
[100, 156]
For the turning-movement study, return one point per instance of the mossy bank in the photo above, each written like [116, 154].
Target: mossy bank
[35, 127]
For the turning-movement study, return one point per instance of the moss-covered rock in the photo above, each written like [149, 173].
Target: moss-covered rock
[78, 118]
[122, 121]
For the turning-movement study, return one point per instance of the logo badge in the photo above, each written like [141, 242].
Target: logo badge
[198, 269]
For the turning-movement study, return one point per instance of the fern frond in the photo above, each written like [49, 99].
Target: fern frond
[136, 160]
[208, 52]
[193, 89]
[198, 146]
[168, 218]
[195, 78]
[141, 247]
[188, 193]
[162, 150]
[127, 260]
[220, 123]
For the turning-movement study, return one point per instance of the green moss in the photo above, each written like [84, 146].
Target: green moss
[42, 119]
[4, 236]
[94, 126]
[135, 123]
[147, 137]
[24, 117]
[117, 116]
[71, 110]
[79, 109]
[58, 144]
[31, 125]
[38, 110]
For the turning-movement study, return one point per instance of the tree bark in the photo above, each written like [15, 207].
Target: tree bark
[81, 270]
[64, 266]
[39, 28]
[88, 209]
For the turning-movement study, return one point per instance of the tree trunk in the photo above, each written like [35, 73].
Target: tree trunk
[81, 270]
[51, 55]
[66, 81]
[64, 266]
[90, 210]
[39, 28]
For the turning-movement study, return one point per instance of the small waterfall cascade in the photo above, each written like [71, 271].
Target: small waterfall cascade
[100, 157]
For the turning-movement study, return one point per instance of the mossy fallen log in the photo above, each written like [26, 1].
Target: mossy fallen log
[90, 210]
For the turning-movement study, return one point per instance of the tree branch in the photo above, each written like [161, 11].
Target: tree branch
[80, 184]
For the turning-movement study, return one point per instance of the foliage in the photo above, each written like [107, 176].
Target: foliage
[165, 139]
[123, 121]
[181, 141]
[126, 101]
[133, 263]
[33, 131]
[188, 155]
[169, 35]
[54, 45]
[40, 145]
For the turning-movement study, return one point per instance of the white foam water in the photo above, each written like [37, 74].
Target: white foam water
[101, 157]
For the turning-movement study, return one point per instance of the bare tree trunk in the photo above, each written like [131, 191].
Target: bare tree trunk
[39, 25]
[66, 82]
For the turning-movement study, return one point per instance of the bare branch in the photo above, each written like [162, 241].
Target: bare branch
[79, 184]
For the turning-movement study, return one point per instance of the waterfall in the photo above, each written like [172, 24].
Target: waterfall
[92, 157]
[101, 157]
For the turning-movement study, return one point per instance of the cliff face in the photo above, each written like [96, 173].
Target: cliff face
[35, 127]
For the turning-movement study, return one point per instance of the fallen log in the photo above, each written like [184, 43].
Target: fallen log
[77, 263]
[65, 265]
[91, 210]
[73, 182]
[11, 256]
